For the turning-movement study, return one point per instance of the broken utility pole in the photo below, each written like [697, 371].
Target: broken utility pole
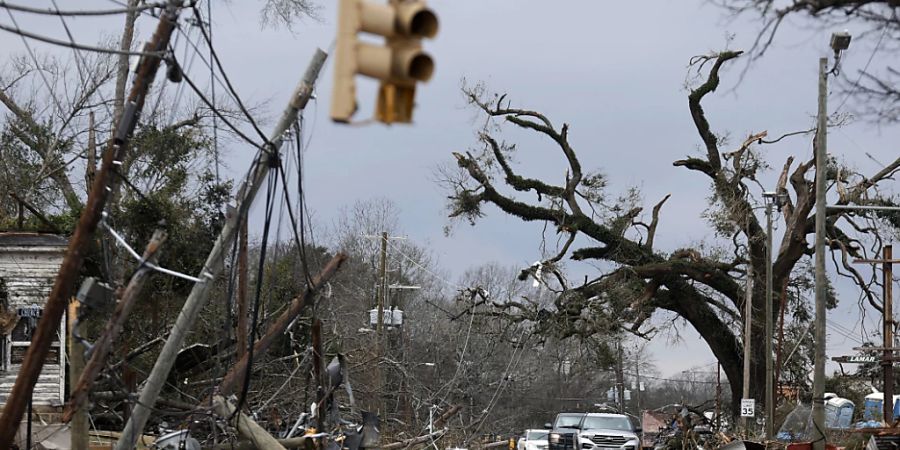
[235, 375]
[265, 159]
[102, 188]
[113, 329]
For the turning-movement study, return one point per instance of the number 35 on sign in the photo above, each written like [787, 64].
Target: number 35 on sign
[748, 407]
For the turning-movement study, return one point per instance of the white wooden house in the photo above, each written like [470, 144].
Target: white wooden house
[29, 263]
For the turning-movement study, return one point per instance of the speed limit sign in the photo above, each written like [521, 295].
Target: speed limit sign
[748, 407]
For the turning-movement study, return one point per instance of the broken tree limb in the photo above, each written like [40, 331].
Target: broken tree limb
[447, 415]
[102, 188]
[235, 375]
[413, 441]
[492, 445]
[246, 426]
[297, 442]
[113, 327]
[265, 158]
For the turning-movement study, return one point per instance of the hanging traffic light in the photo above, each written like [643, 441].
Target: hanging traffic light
[398, 65]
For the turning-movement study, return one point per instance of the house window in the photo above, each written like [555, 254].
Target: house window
[22, 333]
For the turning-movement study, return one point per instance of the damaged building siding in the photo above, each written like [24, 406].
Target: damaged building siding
[29, 263]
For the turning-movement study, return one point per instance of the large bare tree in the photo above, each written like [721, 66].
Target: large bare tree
[633, 277]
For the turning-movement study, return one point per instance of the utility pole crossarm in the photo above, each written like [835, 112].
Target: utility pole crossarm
[215, 261]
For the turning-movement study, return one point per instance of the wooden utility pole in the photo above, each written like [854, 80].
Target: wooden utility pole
[887, 362]
[718, 395]
[887, 359]
[249, 429]
[112, 330]
[256, 177]
[637, 376]
[235, 375]
[748, 331]
[243, 327]
[379, 329]
[318, 358]
[79, 425]
[620, 378]
[770, 313]
[103, 187]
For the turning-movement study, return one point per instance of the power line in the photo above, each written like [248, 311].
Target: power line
[423, 268]
[215, 58]
[49, 40]
[215, 111]
[37, 66]
[57, 12]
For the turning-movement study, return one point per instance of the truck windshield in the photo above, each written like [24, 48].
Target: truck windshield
[606, 423]
[568, 420]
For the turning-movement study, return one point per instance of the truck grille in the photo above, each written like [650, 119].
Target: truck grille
[612, 441]
[566, 442]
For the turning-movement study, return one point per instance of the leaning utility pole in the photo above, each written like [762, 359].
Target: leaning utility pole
[102, 188]
[818, 400]
[265, 159]
[243, 328]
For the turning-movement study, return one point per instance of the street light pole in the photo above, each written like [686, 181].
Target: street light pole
[839, 43]
[818, 401]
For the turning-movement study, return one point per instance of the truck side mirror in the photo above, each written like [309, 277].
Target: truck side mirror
[548, 426]
[638, 430]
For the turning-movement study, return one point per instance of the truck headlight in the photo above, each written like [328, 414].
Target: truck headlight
[554, 438]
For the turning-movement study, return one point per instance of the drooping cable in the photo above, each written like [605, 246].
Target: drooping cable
[224, 119]
[270, 207]
[215, 58]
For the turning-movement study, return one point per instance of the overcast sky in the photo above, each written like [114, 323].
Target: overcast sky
[615, 71]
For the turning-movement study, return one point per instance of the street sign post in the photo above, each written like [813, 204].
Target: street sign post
[748, 407]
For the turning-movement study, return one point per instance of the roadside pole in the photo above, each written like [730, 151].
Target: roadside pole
[818, 400]
[888, 349]
[748, 322]
[101, 189]
[256, 177]
[887, 362]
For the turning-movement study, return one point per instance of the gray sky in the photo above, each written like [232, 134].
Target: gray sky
[615, 71]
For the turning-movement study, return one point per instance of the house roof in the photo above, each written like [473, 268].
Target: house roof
[25, 239]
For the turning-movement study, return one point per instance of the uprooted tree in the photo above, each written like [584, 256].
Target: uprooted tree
[703, 285]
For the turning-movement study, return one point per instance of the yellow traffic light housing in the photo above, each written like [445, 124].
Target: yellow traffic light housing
[398, 65]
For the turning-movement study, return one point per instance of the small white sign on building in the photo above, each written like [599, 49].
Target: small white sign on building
[748, 407]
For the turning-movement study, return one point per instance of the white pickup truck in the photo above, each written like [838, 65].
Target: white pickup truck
[593, 431]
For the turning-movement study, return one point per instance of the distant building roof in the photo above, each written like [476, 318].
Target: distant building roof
[24, 239]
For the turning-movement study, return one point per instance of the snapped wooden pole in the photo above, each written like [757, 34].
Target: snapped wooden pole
[113, 328]
[101, 189]
[235, 375]
[249, 429]
[79, 426]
